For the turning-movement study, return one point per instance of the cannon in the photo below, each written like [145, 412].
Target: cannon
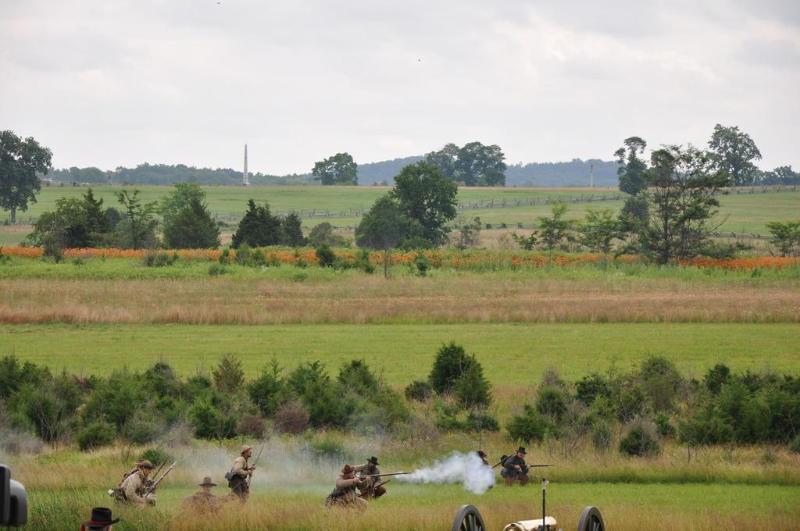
[468, 518]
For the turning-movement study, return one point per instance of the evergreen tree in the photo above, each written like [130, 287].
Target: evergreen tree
[192, 228]
[291, 231]
[258, 228]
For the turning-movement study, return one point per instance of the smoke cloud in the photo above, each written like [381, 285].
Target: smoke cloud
[467, 469]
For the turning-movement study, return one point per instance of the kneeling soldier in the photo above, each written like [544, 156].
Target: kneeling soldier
[133, 488]
[204, 500]
[515, 469]
[239, 476]
[344, 494]
[373, 487]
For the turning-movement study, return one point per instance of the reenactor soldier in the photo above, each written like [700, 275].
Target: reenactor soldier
[373, 487]
[239, 475]
[133, 488]
[203, 501]
[515, 469]
[344, 494]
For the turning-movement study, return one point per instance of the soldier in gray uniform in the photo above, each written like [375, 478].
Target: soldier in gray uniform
[344, 494]
[515, 469]
[373, 488]
[239, 475]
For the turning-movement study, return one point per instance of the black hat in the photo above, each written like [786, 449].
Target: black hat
[373, 460]
[521, 450]
[101, 516]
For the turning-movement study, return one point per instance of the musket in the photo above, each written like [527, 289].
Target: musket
[506, 458]
[250, 477]
[152, 488]
[387, 475]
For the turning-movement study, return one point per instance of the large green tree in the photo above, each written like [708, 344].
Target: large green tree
[733, 153]
[191, 228]
[21, 162]
[682, 197]
[632, 169]
[385, 226]
[425, 195]
[474, 164]
[338, 169]
[480, 165]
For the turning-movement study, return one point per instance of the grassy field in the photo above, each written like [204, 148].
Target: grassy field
[740, 213]
[715, 489]
[513, 355]
[125, 291]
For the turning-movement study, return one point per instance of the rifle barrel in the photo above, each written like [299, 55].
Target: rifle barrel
[386, 475]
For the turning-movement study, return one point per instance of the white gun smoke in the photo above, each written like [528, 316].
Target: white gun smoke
[467, 469]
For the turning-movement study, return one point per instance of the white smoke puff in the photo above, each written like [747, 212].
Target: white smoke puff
[467, 469]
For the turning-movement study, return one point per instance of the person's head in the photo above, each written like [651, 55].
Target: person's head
[521, 452]
[145, 467]
[372, 462]
[348, 472]
[247, 451]
[207, 484]
[101, 520]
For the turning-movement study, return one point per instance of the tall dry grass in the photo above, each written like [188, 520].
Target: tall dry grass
[370, 299]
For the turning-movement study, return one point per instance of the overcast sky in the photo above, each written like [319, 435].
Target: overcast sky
[111, 82]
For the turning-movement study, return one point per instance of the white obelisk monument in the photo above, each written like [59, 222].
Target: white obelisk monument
[245, 175]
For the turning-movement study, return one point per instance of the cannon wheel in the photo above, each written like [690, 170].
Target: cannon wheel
[591, 520]
[468, 518]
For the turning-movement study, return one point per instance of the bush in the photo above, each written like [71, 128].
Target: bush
[450, 364]
[482, 422]
[472, 389]
[268, 390]
[601, 436]
[592, 386]
[157, 456]
[292, 417]
[362, 262]
[418, 390]
[794, 446]
[530, 426]
[209, 422]
[663, 425]
[229, 375]
[215, 270]
[325, 256]
[96, 434]
[639, 442]
[251, 426]
[327, 448]
[551, 402]
[159, 259]
[421, 265]
[356, 376]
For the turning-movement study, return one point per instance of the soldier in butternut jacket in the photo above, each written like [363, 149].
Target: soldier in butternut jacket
[344, 494]
[239, 476]
[133, 487]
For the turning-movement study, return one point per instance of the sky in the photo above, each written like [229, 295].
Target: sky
[112, 83]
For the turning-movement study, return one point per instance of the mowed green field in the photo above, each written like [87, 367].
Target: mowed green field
[513, 355]
[740, 213]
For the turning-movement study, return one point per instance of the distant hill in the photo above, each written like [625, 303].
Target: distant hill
[546, 174]
[551, 174]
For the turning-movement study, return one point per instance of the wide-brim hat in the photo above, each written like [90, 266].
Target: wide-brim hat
[101, 516]
[373, 460]
[145, 464]
[521, 450]
[207, 482]
[245, 448]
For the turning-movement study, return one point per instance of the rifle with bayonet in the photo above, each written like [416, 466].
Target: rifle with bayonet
[253, 466]
[505, 458]
[154, 485]
[386, 475]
